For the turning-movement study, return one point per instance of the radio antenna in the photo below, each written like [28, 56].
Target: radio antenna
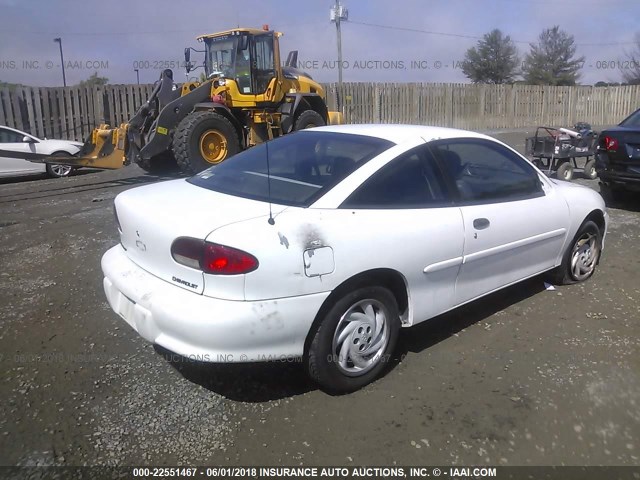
[266, 146]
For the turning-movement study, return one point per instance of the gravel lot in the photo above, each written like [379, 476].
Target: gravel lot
[524, 377]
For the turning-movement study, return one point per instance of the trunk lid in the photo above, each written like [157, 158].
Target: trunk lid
[152, 217]
[626, 158]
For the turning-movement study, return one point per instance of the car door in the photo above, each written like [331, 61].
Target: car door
[11, 140]
[414, 228]
[514, 222]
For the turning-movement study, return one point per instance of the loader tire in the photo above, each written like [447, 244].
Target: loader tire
[204, 139]
[308, 119]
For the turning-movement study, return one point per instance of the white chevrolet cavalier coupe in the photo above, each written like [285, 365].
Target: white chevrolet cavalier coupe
[321, 244]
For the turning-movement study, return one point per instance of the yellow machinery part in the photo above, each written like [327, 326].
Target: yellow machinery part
[335, 118]
[107, 152]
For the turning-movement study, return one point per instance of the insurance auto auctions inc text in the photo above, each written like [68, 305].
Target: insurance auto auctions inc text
[371, 472]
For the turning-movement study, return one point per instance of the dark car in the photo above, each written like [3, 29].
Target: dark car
[618, 157]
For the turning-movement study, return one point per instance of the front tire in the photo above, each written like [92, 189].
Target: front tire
[565, 171]
[59, 171]
[354, 341]
[309, 119]
[204, 139]
[582, 256]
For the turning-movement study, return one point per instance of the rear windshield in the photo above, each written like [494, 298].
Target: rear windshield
[632, 120]
[303, 166]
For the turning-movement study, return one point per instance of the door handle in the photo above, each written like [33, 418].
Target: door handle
[481, 223]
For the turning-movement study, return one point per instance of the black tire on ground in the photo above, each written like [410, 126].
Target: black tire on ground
[59, 171]
[564, 274]
[186, 141]
[308, 119]
[590, 169]
[565, 171]
[323, 363]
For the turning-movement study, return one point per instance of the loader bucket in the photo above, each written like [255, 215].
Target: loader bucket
[105, 149]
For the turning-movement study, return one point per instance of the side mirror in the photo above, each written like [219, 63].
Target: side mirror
[27, 139]
[187, 59]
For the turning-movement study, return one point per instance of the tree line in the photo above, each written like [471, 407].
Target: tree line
[94, 80]
[551, 61]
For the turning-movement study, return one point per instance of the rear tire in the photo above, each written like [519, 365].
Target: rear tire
[204, 139]
[590, 170]
[565, 171]
[309, 119]
[354, 341]
[580, 260]
[59, 171]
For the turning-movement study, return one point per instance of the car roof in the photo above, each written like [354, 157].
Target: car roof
[401, 133]
[15, 130]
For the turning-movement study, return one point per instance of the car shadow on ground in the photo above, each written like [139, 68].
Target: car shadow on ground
[629, 201]
[433, 331]
[244, 382]
[262, 382]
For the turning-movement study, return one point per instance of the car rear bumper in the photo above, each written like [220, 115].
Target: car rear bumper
[616, 173]
[621, 180]
[204, 328]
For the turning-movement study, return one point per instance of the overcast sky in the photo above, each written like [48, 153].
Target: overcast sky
[116, 36]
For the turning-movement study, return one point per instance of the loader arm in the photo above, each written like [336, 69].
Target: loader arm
[112, 148]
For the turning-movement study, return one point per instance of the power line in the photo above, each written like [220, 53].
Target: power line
[473, 37]
[415, 30]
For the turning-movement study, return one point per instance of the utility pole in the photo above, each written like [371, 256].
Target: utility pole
[59, 41]
[339, 13]
[137, 75]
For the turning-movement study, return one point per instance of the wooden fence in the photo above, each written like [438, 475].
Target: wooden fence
[483, 107]
[72, 112]
[69, 113]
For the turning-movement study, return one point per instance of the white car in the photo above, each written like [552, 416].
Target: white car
[22, 143]
[321, 244]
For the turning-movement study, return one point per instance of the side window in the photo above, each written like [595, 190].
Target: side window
[264, 62]
[7, 136]
[484, 171]
[412, 180]
[243, 70]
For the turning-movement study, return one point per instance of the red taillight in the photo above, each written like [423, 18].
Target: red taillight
[211, 257]
[610, 143]
[222, 260]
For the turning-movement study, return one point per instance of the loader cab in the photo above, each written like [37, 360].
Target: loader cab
[248, 57]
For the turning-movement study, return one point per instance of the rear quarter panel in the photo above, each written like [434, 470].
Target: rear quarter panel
[359, 241]
[581, 201]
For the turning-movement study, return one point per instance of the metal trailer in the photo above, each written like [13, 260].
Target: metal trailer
[557, 150]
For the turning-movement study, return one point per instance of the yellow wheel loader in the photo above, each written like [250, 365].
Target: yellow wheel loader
[248, 98]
